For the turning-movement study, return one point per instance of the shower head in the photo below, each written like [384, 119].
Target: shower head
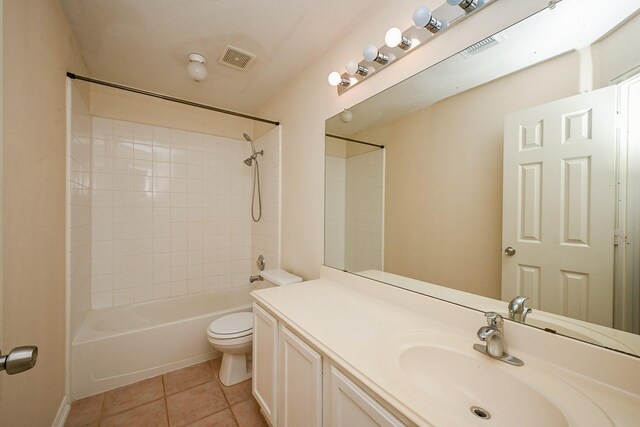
[253, 147]
[247, 137]
[248, 161]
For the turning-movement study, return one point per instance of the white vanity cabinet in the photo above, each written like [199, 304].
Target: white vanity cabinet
[292, 389]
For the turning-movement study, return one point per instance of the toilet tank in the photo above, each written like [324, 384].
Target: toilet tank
[279, 277]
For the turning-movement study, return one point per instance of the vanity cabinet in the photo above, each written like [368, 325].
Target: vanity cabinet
[295, 385]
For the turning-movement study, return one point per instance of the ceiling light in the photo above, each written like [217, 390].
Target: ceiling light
[395, 38]
[346, 116]
[423, 18]
[372, 54]
[195, 68]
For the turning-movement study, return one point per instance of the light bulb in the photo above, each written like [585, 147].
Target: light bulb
[421, 17]
[334, 78]
[393, 37]
[467, 5]
[351, 67]
[195, 68]
[370, 53]
[346, 116]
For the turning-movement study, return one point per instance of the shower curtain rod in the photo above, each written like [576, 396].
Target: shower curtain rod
[169, 98]
[353, 140]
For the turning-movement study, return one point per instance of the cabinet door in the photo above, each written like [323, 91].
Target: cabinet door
[300, 382]
[265, 362]
[352, 406]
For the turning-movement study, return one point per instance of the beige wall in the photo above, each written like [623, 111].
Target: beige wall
[304, 105]
[38, 50]
[133, 107]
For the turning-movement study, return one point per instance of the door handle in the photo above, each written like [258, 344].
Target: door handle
[509, 251]
[19, 359]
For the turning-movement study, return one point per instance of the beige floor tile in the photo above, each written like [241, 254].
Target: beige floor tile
[187, 378]
[215, 365]
[152, 414]
[237, 393]
[195, 403]
[131, 396]
[85, 411]
[219, 419]
[248, 414]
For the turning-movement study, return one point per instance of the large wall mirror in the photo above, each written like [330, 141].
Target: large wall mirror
[511, 169]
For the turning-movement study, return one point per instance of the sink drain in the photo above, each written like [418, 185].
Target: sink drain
[480, 413]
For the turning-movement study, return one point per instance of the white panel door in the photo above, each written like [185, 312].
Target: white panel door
[300, 382]
[265, 363]
[559, 206]
[352, 406]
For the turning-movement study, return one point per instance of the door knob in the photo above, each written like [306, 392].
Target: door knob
[19, 359]
[509, 251]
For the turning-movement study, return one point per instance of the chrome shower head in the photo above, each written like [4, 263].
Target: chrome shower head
[248, 161]
[247, 137]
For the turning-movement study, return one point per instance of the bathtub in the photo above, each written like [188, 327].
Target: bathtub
[122, 345]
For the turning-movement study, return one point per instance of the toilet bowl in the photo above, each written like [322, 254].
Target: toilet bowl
[233, 334]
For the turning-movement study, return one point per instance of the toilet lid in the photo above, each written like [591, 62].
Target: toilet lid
[232, 325]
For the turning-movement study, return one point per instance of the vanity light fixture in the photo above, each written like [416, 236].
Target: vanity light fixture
[467, 5]
[375, 59]
[346, 115]
[394, 37]
[372, 54]
[335, 79]
[423, 18]
[352, 68]
[195, 68]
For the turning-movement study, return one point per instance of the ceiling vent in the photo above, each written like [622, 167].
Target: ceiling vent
[483, 45]
[236, 58]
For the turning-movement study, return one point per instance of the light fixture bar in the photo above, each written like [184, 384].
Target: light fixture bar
[442, 18]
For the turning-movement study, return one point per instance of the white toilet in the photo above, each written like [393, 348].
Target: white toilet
[233, 334]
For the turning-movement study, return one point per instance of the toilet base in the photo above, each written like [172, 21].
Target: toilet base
[234, 369]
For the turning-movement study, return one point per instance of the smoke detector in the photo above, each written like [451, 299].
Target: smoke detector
[235, 58]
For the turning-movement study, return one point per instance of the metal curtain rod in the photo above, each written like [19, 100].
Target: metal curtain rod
[353, 140]
[169, 98]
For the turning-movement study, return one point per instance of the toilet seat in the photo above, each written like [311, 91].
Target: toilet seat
[231, 327]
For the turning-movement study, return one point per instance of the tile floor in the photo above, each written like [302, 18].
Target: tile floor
[192, 396]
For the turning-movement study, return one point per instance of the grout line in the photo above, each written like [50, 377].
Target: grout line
[166, 404]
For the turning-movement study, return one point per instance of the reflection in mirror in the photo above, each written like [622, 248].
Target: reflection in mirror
[512, 169]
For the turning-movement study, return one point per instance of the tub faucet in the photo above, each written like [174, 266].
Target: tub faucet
[255, 278]
[493, 335]
[517, 310]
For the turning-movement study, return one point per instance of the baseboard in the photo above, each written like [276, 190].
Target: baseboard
[63, 412]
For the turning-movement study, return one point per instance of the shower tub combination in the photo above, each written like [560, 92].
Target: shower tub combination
[122, 345]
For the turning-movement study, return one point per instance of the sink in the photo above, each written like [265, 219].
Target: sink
[470, 388]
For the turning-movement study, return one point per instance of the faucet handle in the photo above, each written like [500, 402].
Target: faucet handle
[517, 310]
[494, 319]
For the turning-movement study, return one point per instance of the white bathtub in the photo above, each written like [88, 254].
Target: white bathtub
[122, 345]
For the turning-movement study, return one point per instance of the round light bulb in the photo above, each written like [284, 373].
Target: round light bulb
[334, 78]
[421, 17]
[393, 37]
[351, 67]
[454, 2]
[370, 53]
[346, 116]
[195, 68]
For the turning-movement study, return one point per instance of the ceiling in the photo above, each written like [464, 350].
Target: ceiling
[145, 43]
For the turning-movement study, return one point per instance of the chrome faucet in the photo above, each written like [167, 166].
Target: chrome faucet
[517, 310]
[493, 335]
[255, 278]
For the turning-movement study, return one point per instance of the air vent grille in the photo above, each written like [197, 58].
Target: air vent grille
[483, 45]
[236, 58]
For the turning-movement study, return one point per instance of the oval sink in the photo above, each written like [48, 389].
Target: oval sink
[478, 390]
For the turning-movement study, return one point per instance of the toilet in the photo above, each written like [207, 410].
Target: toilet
[232, 334]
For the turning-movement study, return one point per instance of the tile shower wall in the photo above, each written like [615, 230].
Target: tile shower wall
[170, 213]
[334, 223]
[79, 203]
[364, 212]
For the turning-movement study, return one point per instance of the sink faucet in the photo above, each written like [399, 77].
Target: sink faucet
[493, 335]
[517, 310]
[255, 278]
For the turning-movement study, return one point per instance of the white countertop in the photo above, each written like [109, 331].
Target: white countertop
[357, 322]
